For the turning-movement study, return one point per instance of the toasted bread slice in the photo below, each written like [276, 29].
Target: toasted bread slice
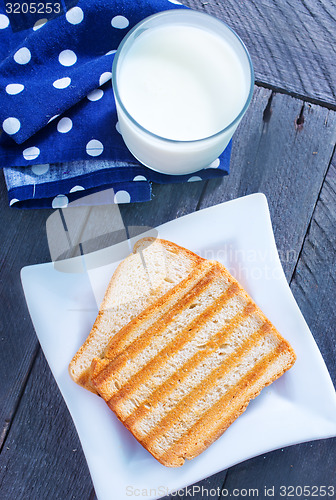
[186, 367]
[154, 267]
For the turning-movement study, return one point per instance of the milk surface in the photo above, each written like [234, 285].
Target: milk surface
[182, 82]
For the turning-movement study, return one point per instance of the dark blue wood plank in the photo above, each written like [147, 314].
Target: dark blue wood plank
[42, 456]
[269, 129]
[314, 287]
[287, 161]
[291, 42]
[308, 464]
[23, 241]
[314, 280]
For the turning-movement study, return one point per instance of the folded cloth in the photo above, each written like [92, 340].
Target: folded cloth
[57, 107]
[55, 185]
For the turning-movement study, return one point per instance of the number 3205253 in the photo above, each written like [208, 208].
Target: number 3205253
[33, 8]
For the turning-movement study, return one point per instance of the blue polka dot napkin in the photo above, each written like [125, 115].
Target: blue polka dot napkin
[60, 138]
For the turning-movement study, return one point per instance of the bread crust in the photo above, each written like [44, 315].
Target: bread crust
[148, 326]
[83, 376]
[212, 424]
[201, 438]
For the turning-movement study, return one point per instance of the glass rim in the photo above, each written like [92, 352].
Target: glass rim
[182, 12]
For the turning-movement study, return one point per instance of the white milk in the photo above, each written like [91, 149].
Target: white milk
[186, 79]
[182, 82]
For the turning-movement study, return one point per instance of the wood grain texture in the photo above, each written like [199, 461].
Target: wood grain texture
[314, 287]
[314, 280]
[32, 462]
[272, 153]
[42, 457]
[22, 243]
[311, 464]
[286, 161]
[282, 148]
[169, 202]
[292, 42]
[24, 464]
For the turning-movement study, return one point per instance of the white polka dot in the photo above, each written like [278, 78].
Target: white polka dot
[62, 83]
[111, 52]
[95, 95]
[64, 125]
[214, 164]
[4, 21]
[139, 178]
[122, 197]
[31, 153]
[77, 188]
[120, 22]
[52, 118]
[60, 201]
[14, 88]
[75, 15]
[194, 178]
[67, 57]
[105, 77]
[40, 23]
[118, 127]
[13, 200]
[22, 56]
[40, 169]
[176, 2]
[11, 125]
[94, 148]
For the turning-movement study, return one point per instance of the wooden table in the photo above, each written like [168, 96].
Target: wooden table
[283, 148]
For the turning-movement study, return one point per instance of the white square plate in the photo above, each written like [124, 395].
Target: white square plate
[300, 406]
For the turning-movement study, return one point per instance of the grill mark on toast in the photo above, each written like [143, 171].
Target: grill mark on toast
[206, 419]
[154, 327]
[183, 372]
[197, 429]
[239, 404]
[97, 341]
[140, 344]
[204, 386]
[176, 344]
[123, 338]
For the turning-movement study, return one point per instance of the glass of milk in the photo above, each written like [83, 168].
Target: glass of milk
[182, 82]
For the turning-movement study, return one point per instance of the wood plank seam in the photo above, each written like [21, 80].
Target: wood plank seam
[92, 495]
[9, 422]
[201, 195]
[282, 44]
[312, 215]
[297, 95]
